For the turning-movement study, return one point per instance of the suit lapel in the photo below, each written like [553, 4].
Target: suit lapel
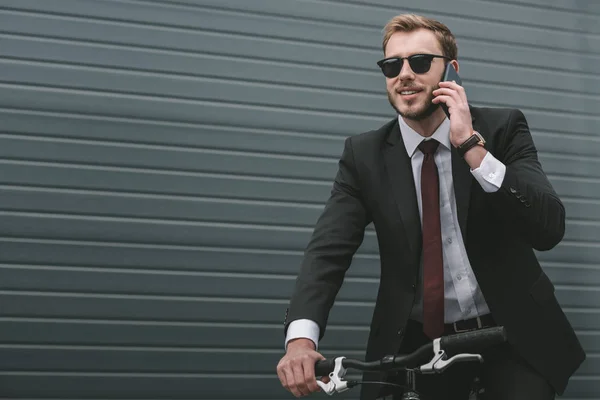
[399, 173]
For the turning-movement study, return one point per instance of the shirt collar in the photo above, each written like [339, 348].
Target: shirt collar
[412, 139]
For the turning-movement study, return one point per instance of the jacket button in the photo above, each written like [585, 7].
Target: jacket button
[513, 190]
[400, 332]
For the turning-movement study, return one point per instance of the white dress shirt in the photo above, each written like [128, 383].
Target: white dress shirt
[463, 298]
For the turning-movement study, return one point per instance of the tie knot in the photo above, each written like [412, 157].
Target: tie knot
[428, 146]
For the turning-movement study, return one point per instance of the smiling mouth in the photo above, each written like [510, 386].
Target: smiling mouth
[407, 91]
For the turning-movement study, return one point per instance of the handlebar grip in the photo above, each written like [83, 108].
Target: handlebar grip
[324, 367]
[470, 342]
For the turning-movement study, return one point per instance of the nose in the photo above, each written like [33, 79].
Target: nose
[406, 73]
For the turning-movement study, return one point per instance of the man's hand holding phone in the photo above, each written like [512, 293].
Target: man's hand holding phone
[454, 97]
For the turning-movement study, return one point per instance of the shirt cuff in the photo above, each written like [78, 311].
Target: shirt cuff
[490, 173]
[303, 328]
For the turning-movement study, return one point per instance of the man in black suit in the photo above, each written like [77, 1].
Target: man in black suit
[459, 204]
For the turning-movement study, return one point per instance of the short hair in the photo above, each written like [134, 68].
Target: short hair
[412, 22]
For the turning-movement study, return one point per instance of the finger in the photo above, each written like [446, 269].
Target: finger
[291, 381]
[301, 384]
[461, 93]
[456, 87]
[447, 92]
[281, 376]
[450, 84]
[452, 104]
[309, 375]
[447, 100]
[287, 375]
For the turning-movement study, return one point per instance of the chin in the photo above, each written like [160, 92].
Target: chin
[416, 113]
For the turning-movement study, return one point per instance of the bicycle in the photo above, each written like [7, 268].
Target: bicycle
[457, 345]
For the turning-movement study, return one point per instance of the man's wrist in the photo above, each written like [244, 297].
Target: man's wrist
[474, 140]
[463, 138]
[301, 343]
[474, 156]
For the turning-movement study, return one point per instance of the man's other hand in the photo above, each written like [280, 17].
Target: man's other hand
[296, 370]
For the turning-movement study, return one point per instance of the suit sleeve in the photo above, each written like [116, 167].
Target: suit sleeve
[338, 233]
[526, 194]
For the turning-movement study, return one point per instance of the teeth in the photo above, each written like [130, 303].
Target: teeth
[408, 92]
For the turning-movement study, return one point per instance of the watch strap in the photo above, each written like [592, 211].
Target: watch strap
[474, 140]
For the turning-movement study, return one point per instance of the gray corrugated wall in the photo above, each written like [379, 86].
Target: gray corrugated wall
[162, 164]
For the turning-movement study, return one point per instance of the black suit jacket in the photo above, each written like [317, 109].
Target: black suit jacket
[375, 184]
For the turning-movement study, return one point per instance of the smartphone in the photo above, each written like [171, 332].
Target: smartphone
[450, 74]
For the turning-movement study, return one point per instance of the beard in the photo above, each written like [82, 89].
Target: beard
[419, 112]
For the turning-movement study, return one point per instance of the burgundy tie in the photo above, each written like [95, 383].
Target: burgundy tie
[433, 266]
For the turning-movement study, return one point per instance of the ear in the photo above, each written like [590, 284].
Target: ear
[455, 65]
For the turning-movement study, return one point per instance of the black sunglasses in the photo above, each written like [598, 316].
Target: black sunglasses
[419, 63]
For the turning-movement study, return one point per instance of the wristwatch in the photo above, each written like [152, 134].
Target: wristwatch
[474, 140]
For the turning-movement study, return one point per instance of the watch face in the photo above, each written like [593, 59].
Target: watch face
[481, 139]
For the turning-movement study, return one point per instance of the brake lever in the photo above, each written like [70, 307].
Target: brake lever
[439, 362]
[441, 365]
[335, 384]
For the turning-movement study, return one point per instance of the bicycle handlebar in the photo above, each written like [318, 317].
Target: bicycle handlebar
[473, 341]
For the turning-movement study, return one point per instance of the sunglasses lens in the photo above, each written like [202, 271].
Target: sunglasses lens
[391, 68]
[420, 63]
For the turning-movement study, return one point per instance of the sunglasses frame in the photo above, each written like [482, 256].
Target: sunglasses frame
[381, 63]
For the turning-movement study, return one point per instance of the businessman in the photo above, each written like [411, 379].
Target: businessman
[459, 205]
